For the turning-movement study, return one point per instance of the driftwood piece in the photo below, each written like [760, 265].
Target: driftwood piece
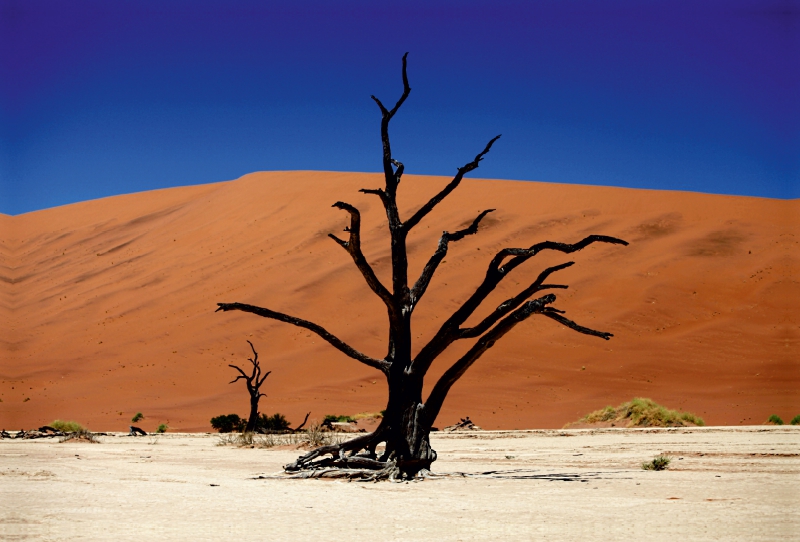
[464, 425]
[136, 431]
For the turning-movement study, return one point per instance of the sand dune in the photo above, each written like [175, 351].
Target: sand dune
[107, 306]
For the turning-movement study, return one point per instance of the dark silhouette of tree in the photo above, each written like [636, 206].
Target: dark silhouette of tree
[254, 382]
[406, 425]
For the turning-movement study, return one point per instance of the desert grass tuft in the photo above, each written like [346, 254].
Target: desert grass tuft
[659, 462]
[67, 427]
[775, 420]
[316, 435]
[642, 412]
[368, 415]
[795, 420]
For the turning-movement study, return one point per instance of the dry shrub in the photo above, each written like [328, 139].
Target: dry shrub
[256, 440]
[316, 435]
[83, 434]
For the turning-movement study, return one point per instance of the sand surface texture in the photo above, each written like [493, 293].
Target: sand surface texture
[722, 484]
[107, 306]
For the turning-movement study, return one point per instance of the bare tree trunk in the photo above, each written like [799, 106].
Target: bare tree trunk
[252, 420]
[405, 428]
[254, 382]
[408, 428]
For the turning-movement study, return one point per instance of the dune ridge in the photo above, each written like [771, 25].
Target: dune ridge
[107, 306]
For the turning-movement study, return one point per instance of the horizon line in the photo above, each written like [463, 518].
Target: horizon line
[588, 185]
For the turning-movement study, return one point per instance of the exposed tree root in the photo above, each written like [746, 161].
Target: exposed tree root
[357, 459]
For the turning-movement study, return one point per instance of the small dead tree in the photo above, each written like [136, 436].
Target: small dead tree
[406, 425]
[253, 382]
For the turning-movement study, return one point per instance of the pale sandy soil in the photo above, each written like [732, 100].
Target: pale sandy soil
[723, 484]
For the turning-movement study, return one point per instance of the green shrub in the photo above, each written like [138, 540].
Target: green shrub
[272, 424]
[329, 418]
[642, 412]
[136, 417]
[162, 428]
[228, 423]
[795, 420]
[602, 415]
[775, 419]
[67, 427]
[660, 462]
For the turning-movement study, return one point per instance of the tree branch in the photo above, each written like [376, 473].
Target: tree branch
[381, 365]
[552, 313]
[441, 251]
[238, 377]
[376, 191]
[495, 273]
[386, 116]
[428, 207]
[406, 89]
[399, 171]
[256, 368]
[436, 398]
[353, 247]
[523, 254]
[510, 304]
[301, 425]
[450, 329]
[451, 375]
[263, 378]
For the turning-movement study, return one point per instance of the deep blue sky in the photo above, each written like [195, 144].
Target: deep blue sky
[102, 98]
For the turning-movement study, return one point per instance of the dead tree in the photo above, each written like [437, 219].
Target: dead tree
[253, 382]
[407, 422]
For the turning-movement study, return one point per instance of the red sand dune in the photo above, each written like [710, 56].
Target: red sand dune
[108, 305]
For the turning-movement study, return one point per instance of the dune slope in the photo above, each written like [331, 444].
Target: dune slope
[107, 306]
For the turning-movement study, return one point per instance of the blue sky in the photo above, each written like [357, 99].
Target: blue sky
[103, 98]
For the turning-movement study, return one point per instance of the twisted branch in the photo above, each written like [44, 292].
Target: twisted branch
[255, 380]
[496, 272]
[391, 178]
[441, 251]
[452, 185]
[353, 247]
[436, 398]
[381, 365]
